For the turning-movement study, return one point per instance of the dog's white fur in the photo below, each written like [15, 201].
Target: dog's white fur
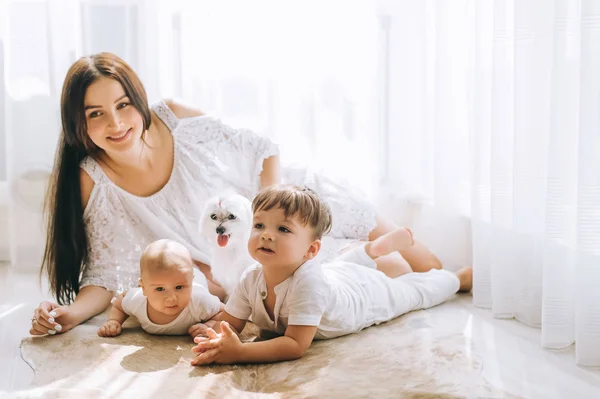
[229, 214]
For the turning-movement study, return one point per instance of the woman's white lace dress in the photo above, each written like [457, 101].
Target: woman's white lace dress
[209, 157]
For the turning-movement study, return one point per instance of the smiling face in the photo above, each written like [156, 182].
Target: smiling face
[280, 241]
[113, 123]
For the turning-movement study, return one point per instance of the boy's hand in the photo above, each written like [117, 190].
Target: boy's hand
[111, 328]
[216, 348]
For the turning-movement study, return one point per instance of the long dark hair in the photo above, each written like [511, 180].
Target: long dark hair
[66, 242]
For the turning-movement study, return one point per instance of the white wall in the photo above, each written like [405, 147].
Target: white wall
[4, 237]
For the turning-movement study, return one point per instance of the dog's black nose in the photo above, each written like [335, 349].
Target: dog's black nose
[220, 230]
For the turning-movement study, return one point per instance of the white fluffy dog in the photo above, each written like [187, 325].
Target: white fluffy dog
[226, 223]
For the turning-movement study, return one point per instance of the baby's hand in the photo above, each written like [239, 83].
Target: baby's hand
[111, 328]
[224, 348]
[199, 330]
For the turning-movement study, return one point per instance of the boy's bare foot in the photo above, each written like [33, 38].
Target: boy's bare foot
[396, 240]
[465, 276]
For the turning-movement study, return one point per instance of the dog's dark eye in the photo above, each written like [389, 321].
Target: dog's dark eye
[231, 216]
[213, 216]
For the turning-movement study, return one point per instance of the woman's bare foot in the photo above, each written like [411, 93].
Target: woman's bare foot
[396, 240]
[465, 276]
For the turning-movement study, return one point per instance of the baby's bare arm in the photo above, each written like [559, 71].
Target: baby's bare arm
[116, 317]
[116, 312]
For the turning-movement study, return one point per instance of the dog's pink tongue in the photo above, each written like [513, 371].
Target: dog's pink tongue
[222, 240]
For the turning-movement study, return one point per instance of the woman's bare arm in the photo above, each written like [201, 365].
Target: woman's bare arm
[271, 168]
[271, 173]
[182, 110]
[90, 301]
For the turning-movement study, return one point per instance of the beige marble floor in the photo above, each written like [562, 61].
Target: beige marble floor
[512, 357]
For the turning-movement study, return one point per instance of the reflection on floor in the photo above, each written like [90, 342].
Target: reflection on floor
[511, 355]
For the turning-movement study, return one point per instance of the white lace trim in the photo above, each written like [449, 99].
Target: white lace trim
[162, 110]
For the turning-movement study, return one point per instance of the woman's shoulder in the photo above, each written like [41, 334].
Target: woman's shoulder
[87, 185]
[94, 188]
[182, 119]
[181, 109]
[90, 174]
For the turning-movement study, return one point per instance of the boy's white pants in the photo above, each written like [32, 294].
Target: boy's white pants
[387, 298]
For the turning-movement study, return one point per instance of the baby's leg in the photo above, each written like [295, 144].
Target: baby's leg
[396, 240]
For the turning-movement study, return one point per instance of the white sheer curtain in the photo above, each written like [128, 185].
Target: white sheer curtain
[480, 115]
[495, 114]
[300, 73]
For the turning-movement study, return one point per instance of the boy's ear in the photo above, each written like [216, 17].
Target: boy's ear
[313, 250]
[141, 285]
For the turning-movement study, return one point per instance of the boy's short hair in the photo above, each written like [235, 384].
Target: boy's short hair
[298, 201]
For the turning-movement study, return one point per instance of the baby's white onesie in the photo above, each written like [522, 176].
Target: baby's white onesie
[203, 305]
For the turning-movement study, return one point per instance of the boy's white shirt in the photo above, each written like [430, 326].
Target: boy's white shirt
[312, 296]
[343, 297]
[301, 299]
[203, 305]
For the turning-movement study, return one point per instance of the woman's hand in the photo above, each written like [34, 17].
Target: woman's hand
[51, 318]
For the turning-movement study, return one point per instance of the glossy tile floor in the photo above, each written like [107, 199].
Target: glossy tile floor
[511, 355]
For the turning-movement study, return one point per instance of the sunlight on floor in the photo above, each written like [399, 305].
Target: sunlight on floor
[6, 310]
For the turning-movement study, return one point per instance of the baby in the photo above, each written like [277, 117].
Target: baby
[168, 302]
[287, 292]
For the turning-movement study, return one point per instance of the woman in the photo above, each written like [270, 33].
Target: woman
[126, 175]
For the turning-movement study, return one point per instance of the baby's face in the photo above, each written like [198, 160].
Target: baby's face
[168, 291]
[279, 241]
